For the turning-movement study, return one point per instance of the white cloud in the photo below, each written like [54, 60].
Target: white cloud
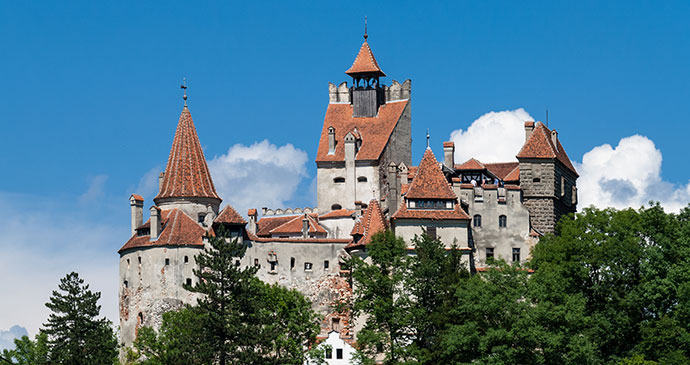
[628, 175]
[148, 184]
[260, 175]
[95, 190]
[493, 137]
[7, 337]
[41, 240]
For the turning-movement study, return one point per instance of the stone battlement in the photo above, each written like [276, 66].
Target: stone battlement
[396, 91]
[288, 211]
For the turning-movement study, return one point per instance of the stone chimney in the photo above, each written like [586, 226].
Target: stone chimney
[449, 154]
[331, 140]
[554, 139]
[393, 194]
[402, 174]
[136, 202]
[305, 226]
[358, 208]
[529, 127]
[160, 180]
[252, 214]
[155, 221]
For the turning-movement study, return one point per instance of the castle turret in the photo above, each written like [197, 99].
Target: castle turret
[547, 177]
[367, 94]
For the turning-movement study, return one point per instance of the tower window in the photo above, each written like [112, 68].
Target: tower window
[201, 218]
[338, 353]
[307, 266]
[189, 281]
[336, 207]
[339, 180]
[128, 263]
[256, 262]
[516, 254]
[325, 264]
[431, 232]
[362, 179]
[502, 221]
[292, 263]
[329, 353]
[186, 259]
[126, 283]
[477, 220]
[536, 180]
[167, 261]
[273, 265]
[489, 253]
[139, 258]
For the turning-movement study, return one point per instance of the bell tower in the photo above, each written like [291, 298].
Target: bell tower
[366, 93]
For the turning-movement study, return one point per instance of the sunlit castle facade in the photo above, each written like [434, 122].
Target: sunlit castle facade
[366, 182]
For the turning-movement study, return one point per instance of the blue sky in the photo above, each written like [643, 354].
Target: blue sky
[90, 98]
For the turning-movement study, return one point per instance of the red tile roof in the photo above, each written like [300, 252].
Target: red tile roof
[429, 182]
[540, 145]
[471, 164]
[365, 62]
[514, 175]
[340, 213]
[186, 174]
[137, 197]
[375, 131]
[178, 230]
[501, 169]
[252, 212]
[371, 222]
[229, 215]
[512, 187]
[448, 144]
[295, 225]
[433, 214]
[266, 224]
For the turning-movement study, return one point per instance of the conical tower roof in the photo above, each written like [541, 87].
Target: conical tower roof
[365, 63]
[187, 174]
[429, 182]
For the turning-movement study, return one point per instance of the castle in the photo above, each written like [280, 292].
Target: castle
[366, 183]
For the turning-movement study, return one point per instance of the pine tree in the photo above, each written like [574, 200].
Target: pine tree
[75, 334]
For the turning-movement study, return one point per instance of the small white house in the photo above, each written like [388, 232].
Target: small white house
[340, 351]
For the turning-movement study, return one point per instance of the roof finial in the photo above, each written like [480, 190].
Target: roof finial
[427, 139]
[184, 87]
[365, 29]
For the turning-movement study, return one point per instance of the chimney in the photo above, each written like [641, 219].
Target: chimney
[402, 169]
[449, 154]
[160, 180]
[331, 140]
[554, 139]
[358, 208]
[529, 127]
[136, 202]
[252, 214]
[155, 222]
[393, 194]
[305, 226]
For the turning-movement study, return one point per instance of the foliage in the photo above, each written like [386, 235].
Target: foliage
[29, 352]
[238, 319]
[74, 333]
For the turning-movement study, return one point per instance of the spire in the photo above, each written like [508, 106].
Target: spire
[187, 174]
[427, 139]
[365, 64]
[184, 87]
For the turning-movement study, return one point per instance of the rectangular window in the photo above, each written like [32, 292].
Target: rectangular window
[167, 261]
[516, 254]
[273, 265]
[489, 253]
[307, 266]
[431, 232]
[189, 281]
[329, 353]
[292, 263]
[325, 264]
[237, 263]
[256, 262]
[338, 353]
[139, 258]
[186, 259]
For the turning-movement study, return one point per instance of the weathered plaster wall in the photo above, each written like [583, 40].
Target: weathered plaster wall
[338, 227]
[330, 193]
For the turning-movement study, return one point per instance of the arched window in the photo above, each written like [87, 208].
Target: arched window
[336, 207]
[502, 221]
[362, 179]
[477, 220]
[339, 180]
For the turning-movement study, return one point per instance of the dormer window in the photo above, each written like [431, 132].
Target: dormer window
[430, 204]
[201, 218]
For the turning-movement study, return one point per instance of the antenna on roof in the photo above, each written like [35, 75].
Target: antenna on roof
[365, 28]
[427, 139]
[184, 87]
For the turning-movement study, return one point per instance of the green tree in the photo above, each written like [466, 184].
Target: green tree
[431, 281]
[75, 335]
[380, 298]
[29, 352]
